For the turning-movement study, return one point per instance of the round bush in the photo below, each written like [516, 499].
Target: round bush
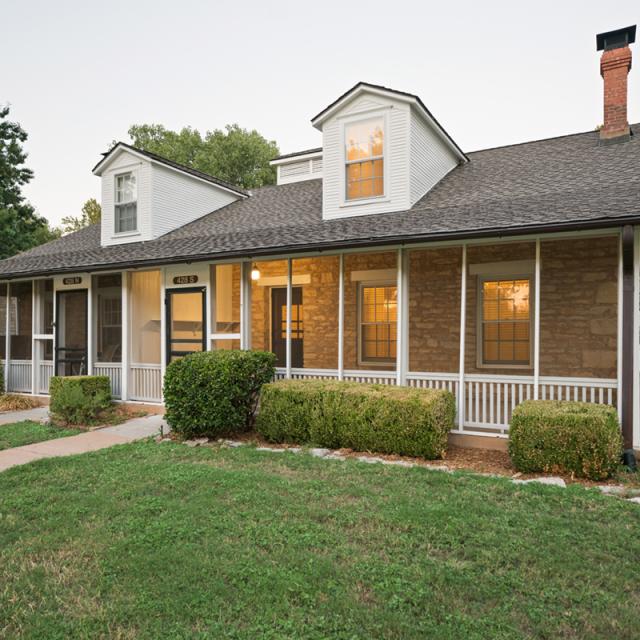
[215, 393]
[577, 438]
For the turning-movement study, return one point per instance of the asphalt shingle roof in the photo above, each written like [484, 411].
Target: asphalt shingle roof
[567, 182]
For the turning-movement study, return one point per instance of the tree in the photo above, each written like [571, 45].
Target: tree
[91, 213]
[236, 155]
[20, 226]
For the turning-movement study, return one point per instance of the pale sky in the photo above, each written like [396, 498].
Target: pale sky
[77, 74]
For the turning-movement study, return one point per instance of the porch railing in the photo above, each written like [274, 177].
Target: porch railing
[113, 370]
[146, 382]
[46, 371]
[19, 378]
[489, 400]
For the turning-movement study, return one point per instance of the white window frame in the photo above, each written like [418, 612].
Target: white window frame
[116, 204]
[494, 272]
[355, 119]
[363, 284]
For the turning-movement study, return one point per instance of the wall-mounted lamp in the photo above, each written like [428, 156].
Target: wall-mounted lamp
[255, 272]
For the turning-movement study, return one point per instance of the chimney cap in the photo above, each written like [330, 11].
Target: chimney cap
[616, 39]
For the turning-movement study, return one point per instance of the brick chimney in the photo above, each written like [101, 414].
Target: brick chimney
[615, 64]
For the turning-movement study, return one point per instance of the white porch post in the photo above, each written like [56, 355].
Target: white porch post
[463, 328]
[209, 297]
[289, 297]
[619, 338]
[7, 338]
[402, 325]
[35, 356]
[245, 305]
[90, 331]
[636, 337]
[125, 338]
[341, 318]
[536, 325]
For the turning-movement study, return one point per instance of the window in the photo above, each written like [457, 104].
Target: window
[364, 148]
[505, 322]
[377, 327]
[126, 218]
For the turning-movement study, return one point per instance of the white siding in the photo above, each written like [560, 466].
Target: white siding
[142, 169]
[396, 160]
[178, 199]
[297, 170]
[430, 160]
[167, 199]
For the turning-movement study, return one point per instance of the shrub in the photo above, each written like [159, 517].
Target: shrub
[1, 379]
[363, 417]
[215, 393]
[577, 438]
[79, 399]
[14, 402]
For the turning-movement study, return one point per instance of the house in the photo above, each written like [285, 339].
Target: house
[388, 255]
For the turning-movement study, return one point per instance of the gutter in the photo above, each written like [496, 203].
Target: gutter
[330, 246]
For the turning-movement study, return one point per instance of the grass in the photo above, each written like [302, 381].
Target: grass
[164, 541]
[28, 432]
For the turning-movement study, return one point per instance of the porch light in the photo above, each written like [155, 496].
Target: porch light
[255, 272]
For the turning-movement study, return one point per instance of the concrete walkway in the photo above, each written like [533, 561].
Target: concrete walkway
[136, 429]
[38, 414]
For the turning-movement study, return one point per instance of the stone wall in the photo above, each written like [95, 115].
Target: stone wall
[434, 309]
[579, 307]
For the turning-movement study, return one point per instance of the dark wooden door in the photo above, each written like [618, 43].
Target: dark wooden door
[279, 326]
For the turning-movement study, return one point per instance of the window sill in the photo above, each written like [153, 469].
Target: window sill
[126, 234]
[521, 367]
[360, 201]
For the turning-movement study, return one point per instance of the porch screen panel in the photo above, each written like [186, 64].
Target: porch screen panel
[225, 302]
[266, 325]
[370, 311]
[44, 318]
[20, 320]
[314, 314]
[145, 317]
[3, 321]
[108, 317]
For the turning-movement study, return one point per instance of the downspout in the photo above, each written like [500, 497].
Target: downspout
[627, 408]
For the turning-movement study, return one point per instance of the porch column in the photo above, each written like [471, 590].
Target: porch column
[401, 320]
[628, 346]
[126, 342]
[536, 325]
[463, 328]
[341, 319]
[636, 337]
[7, 338]
[289, 297]
[245, 305]
[35, 357]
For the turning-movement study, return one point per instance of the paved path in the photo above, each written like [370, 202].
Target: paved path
[136, 429]
[39, 414]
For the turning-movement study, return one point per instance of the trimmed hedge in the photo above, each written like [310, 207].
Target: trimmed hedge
[364, 417]
[215, 393]
[79, 399]
[577, 438]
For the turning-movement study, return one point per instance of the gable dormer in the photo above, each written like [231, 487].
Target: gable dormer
[382, 151]
[145, 196]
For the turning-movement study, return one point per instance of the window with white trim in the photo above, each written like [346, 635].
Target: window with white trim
[126, 206]
[377, 326]
[505, 321]
[364, 158]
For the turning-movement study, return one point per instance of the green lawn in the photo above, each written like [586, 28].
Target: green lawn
[27, 432]
[164, 541]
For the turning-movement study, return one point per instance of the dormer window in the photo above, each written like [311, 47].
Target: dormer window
[126, 214]
[364, 158]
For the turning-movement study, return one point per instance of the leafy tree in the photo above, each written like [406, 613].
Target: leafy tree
[91, 213]
[236, 155]
[20, 226]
